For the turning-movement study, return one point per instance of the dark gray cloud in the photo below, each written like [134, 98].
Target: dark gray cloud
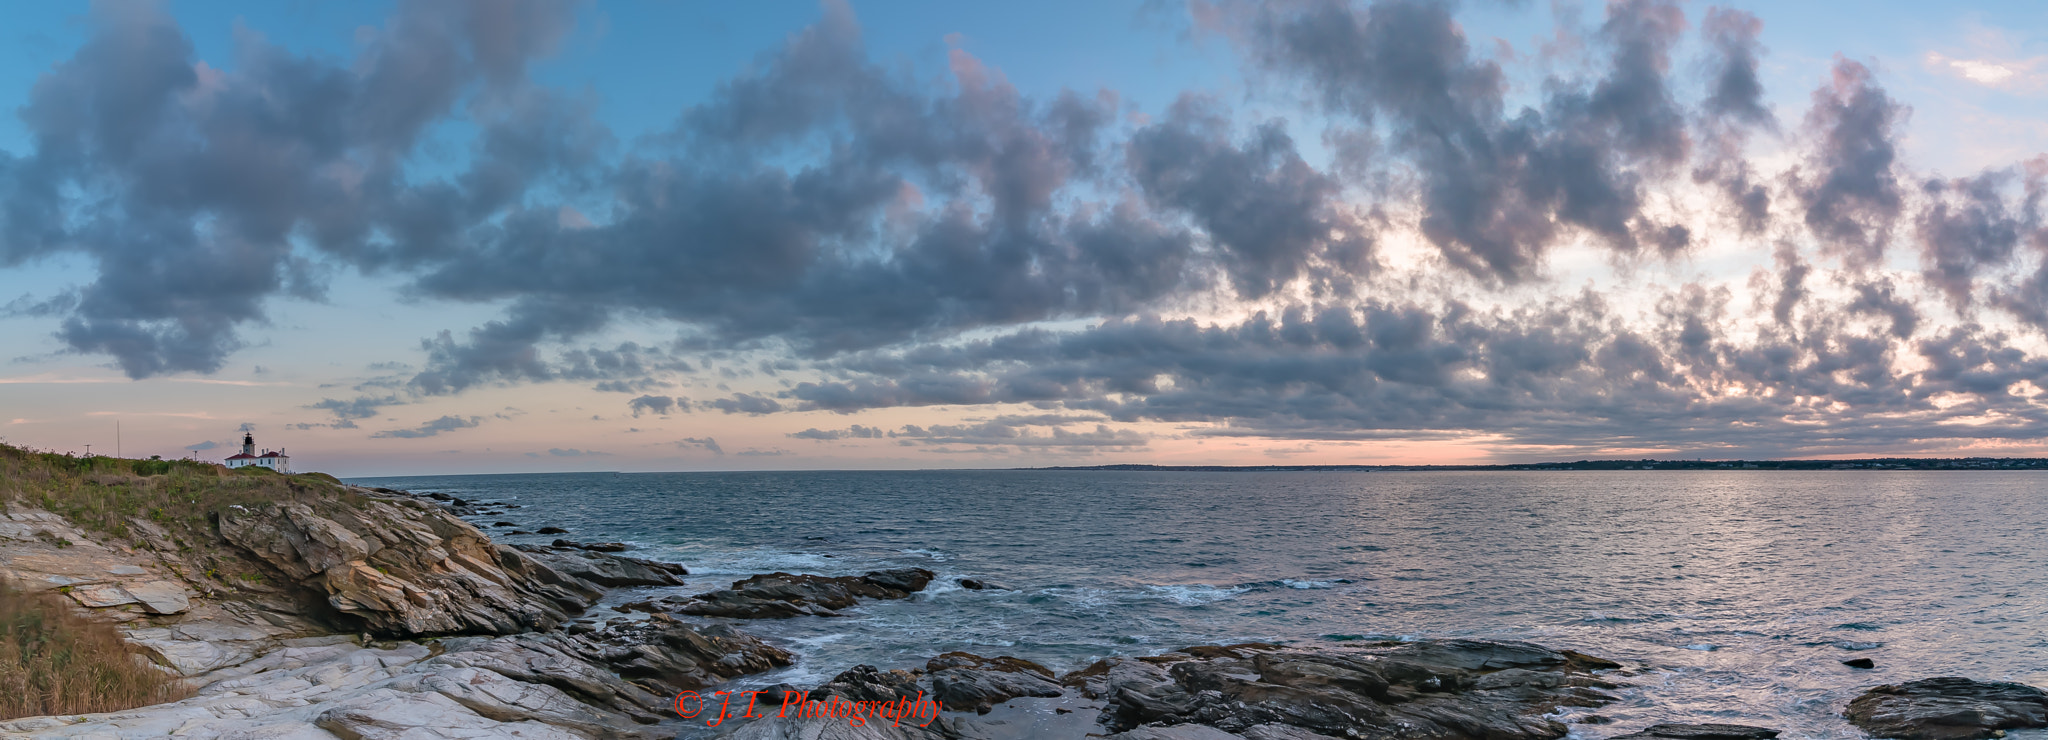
[1968, 227]
[1271, 215]
[1012, 432]
[360, 407]
[1733, 89]
[1003, 433]
[1792, 273]
[1851, 193]
[660, 405]
[1567, 377]
[1496, 189]
[745, 403]
[204, 177]
[706, 443]
[1733, 109]
[1879, 298]
[853, 432]
[935, 214]
[431, 428]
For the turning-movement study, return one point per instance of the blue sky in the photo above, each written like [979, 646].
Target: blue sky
[969, 284]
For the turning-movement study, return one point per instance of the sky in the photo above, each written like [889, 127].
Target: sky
[541, 235]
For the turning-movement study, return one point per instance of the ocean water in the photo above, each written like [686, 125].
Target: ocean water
[1739, 592]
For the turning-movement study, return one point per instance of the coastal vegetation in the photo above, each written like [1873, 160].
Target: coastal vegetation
[170, 506]
[55, 661]
[114, 495]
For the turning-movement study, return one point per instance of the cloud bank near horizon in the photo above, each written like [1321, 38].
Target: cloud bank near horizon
[1424, 249]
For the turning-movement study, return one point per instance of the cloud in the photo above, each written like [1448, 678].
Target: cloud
[1852, 194]
[1017, 433]
[2008, 74]
[707, 443]
[853, 432]
[832, 229]
[1734, 108]
[1968, 228]
[360, 407]
[660, 405]
[1495, 191]
[1272, 216]
[1570, 376]
[203, 446]
[745, 403]
[204, 175]
[573, 452]
[431, 428]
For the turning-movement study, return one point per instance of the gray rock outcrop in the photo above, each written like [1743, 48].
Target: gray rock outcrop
[1948, 708]
[784, 595]
[1440, 688]
[405, 569]
[276, 647]
[970, 683]
[1700, 732]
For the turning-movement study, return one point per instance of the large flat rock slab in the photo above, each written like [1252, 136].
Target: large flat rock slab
[1948, 708]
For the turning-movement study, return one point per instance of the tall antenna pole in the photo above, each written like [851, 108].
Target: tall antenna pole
[117, 438]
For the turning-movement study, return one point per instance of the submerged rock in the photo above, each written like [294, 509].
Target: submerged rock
[783, 595]
[1702, 732]
[594, 546]
[1864, 663]
[1438, 688]
[1948, 708]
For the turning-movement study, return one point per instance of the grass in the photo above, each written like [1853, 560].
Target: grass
[169, 506]
[109, 495]
[55, 661]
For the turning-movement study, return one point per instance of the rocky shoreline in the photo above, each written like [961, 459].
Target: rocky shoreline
[389, 616]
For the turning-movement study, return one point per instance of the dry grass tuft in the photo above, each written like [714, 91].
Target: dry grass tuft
[55, 661]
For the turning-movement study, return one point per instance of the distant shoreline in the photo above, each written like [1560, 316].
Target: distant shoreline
[1881, 463]
[1876, 463]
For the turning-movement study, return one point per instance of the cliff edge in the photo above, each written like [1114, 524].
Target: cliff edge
[299, 607]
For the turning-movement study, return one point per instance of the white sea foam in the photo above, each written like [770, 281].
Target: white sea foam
[757, 561]
[944, 583]
[1196, 594]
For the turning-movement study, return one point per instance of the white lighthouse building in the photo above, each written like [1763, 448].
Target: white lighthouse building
[276, 460]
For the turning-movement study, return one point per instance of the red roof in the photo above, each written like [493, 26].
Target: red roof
[242, 456]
